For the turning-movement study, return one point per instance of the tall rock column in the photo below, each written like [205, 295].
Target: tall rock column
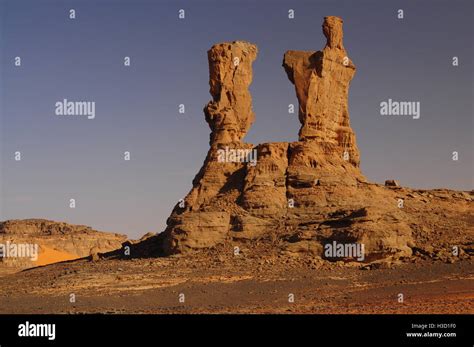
[203, 218]
[322, 81]
[230, 114]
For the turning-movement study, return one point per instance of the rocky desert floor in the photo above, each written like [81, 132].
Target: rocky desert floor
[214, 283]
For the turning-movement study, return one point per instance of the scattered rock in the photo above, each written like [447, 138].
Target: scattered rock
[391, 183]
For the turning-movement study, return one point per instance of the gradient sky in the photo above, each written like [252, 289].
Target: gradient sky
[136, 106]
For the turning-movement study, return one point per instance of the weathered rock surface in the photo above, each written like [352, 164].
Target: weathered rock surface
[301, 196]
[230, 114]
[57, 241]
[321, 81]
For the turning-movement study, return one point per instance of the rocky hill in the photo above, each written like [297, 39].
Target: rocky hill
[55, 241]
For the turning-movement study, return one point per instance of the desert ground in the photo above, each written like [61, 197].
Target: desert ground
[214, 283]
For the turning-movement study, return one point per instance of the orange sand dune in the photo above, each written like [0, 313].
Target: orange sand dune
[49, 255]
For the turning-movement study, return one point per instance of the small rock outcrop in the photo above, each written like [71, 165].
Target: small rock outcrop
[308, 193]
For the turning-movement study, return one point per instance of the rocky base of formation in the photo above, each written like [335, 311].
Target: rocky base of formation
[56, 241]
[304, 195]
[434, 224]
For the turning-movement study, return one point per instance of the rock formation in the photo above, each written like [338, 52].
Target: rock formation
[229, 116]
[57, 241]
[321, 81]
[306, 194]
